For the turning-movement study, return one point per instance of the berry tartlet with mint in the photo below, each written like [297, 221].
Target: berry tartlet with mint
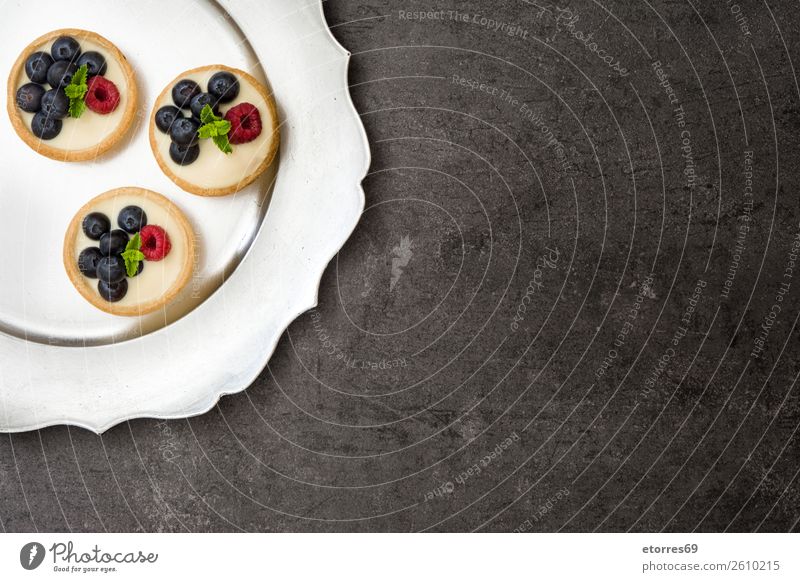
[71, 95]
[214, 130]
[129, 251]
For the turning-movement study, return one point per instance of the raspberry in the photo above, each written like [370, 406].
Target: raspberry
[102, 96]
[245, 123]
[155, 242]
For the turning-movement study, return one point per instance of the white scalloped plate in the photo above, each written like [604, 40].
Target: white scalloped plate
[62, 363]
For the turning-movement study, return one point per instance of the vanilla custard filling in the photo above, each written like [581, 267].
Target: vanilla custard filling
[91, 128]
[214, 169]
[157, 277]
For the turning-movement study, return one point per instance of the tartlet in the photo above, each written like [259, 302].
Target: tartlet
[196, 164]
[111, 222]
[93, 134]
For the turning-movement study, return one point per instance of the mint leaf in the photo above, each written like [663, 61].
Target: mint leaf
[81, 75]
[132, 259]
[76, 91]
[216, 129]
[76, 107]
[73, 91]
[132, 255]
[206, 132]
[221, 141]
[207, 115]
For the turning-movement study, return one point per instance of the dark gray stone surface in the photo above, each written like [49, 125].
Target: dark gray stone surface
[509, 341]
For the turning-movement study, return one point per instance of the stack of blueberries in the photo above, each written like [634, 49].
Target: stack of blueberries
[54, 69]
[223, 87]
[104, 262]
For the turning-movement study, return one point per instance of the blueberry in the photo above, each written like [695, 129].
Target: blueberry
[184, 91]
[140, 268]
[55, 104]
[65, 48]
[183, 155]
[184, 132]
[166, 116]
[87, 261]
[223, 86]
[37, 65]
[131, 219]
[110, 269]
[95, 63]
[112, 292]
[200, 101]
[45, 127]
[60, 74]
[29, 97]
[95, 225]
[113, 243]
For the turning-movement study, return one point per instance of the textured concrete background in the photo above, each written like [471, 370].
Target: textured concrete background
[544, 320]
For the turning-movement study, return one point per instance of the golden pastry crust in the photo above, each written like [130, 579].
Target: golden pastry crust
[246, 180]
[89, 292]
[41, 146]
